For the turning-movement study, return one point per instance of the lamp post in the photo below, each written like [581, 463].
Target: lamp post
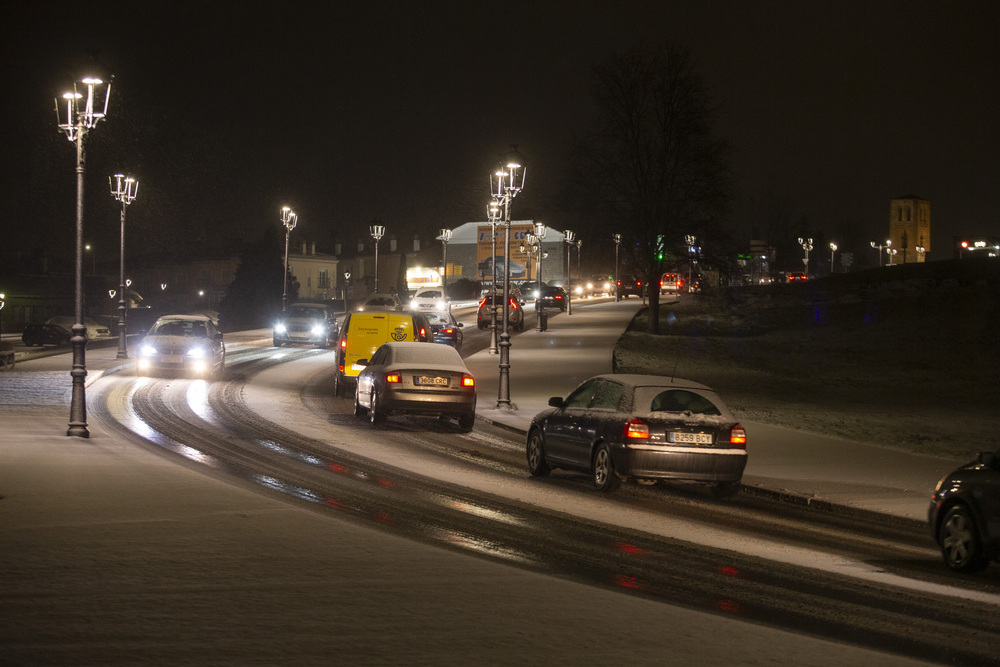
[891, 252]
[445, 237]
[124, 190]
[2, 302]
[879, 247]
[377, 232]
[539, 236]
[618, 241]
[493, 214]
[81, 117]
[93, 258]
[691, 240]
[833, 249]
[506, 181]
[920, 250]
[807, 245]
[289, 219]
[347, 286]
[568, 237]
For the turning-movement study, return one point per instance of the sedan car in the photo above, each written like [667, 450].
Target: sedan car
[309, 323]
[416, 379]
[643, 427]
[446, 329]
[429, 298]
[381, 302]
[94, 330]
[515, 313]
[964, 515]
[45, 334]
[184, 343]
[550, 296]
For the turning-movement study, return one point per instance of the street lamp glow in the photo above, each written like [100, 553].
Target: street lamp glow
[289, 219]
[807, 245]
[124, 189]
[377, 232]
[568, 237]
[445, 236]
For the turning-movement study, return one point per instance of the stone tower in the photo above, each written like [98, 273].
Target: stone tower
[910, 229]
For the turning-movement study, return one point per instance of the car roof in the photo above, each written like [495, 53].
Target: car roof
[187, 318]
[637, 379]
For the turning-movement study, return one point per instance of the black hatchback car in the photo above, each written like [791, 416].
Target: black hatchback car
[550, 296]
[964, 515]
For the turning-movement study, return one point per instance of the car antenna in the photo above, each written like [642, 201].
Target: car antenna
[673, 373]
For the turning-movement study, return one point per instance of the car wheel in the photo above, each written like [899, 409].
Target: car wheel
[537, 465]
[220, 371]
[277, 343]
[339, 390]
[375, 415]
[725, 489]
[467, 421]
[960, 544]
[358, 409]
[604, 470]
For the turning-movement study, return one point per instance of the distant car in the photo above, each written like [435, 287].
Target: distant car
[430, 298]
[964, 515]
[594, 286]
[797, 277]
[671, 283]
[416, 379]
[643, 427]
[446, 329]
[94, 330]
[515, 313]
[550, 296]
[381, 302]
[629, 285]
[184, 343]
[308, 323]
[45, 334]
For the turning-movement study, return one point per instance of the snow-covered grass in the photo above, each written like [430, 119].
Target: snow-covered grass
[909, 363]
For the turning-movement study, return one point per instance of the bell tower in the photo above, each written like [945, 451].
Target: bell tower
[910, 228]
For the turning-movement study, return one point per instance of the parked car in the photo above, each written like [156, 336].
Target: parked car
[379, 301]
[45, 334]
[430, 298]
[416, 379]
[964, 515]
[363, 332]
[184, 343]
[629, 285]
[309, 323]
[94, 330]
[643, 427]
[445, 328]
[515, 312]
[550, 296]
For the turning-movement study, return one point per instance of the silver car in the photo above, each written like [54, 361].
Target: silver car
[189, 344]
[643, 427]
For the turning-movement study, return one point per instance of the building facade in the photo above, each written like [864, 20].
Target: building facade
[909, 229]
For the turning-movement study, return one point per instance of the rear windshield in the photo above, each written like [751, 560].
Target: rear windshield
[657, 399]
[307, 313]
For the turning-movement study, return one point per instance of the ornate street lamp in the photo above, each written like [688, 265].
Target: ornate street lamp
[568, 237]
[445, 237]
[506, 181]
[124, 190]
[879, 246]
[377, 232]
[539, 236]
[833, 249]
[493, 214]
[289, 219]
[347, 286]
[81, 117]
[891, 252]
[807, 245]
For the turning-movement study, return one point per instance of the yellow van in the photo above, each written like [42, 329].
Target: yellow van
[362, 332]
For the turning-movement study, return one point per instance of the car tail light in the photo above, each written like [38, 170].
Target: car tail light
[483, 302]
[514, 304]
[636, 428]
[448, 331]
[738, 436]
[392, 377]
[423, 334]
[468, 381]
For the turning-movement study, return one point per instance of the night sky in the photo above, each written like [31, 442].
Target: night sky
[226, 111]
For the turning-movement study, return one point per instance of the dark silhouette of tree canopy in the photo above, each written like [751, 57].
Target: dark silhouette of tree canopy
[253, 299]
[652, 169]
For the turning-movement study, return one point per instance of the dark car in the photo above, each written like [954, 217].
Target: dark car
[550, 296]
[629, 286]
[446, 329]
[309, 323]
[515, 313]
[964, 515]
[645, 427]
[45, 334]
[416, 379]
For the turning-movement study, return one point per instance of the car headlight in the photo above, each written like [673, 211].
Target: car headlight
[280, 328]
[197, 352]
[414, 304]
[147, 350]
[318, 330]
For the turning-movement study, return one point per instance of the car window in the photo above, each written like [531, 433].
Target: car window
[380, 357]
[607, 395]
[582, 395]
[680, 400]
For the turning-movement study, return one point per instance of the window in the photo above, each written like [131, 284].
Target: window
[582, 395]
[680, 400]
[607, 395]
[323, 281]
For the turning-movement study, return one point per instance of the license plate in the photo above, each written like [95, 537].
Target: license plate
[431, 381]
[171, 359]
[691, 438]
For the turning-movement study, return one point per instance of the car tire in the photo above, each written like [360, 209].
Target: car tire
[339, 391]
[277, 343]
[375, 415]
[467, 421]
[958, 536]
[358, 409]
[537, 465]
[603, 470]
[725, 489]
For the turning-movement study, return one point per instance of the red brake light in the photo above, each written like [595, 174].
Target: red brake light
[447, 331]
[636, 428]
[738, 436]
[483, 302]
[468, 381]
[392, 377]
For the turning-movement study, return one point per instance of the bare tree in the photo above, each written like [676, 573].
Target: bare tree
[652, 162]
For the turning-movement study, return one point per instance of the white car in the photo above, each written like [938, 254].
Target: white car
[430, 298]
[190, 344]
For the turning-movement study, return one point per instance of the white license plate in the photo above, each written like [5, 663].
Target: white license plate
[432, 381]
[691, 438]
[173, 359]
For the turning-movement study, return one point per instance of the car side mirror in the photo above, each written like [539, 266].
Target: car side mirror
[557, 402]
[460, 325]
[989, 459]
